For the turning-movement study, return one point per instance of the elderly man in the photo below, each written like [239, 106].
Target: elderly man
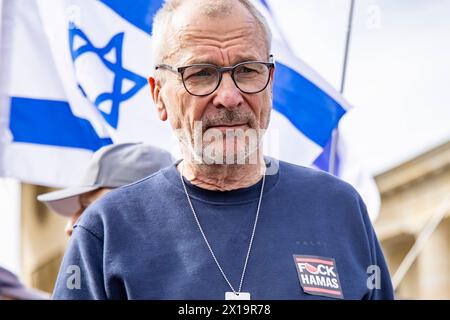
[221, 223]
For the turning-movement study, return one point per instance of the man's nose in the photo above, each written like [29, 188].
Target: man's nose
[227, 94]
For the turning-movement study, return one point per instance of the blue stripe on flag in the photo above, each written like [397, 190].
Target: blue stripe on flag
[138, 12]
[51, 122]
[323, 160]
[265, 4]
[307, 107]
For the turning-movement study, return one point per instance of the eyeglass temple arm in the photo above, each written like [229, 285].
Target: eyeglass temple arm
[167, 67]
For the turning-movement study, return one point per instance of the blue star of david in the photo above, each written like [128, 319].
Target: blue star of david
[120, 73]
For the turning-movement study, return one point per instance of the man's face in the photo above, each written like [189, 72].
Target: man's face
[85, 200]
[222, 41]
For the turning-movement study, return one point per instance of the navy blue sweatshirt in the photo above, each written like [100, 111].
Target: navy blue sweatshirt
[313, 240]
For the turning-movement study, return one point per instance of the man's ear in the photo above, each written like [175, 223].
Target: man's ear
[155, 90]
[272, 73]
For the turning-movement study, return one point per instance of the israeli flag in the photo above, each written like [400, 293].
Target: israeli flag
[74, 78]
[306, 111]
[307, 108]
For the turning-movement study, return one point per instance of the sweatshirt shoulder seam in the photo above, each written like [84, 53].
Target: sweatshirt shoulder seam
[90, 232]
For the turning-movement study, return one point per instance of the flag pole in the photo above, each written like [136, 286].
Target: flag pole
[335, 133]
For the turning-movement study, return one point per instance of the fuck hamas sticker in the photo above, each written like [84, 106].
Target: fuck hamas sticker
[318, 276]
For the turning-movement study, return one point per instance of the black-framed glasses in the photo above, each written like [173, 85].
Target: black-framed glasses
[204, 79]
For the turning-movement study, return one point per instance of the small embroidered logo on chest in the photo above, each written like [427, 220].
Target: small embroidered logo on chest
[318, 276]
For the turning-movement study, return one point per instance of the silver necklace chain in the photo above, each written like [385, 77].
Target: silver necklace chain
[207, 242]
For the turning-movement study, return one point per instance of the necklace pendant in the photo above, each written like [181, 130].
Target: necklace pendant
[237, 296]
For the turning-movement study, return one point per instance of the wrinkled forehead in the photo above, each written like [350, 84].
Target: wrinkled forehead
[199, 37]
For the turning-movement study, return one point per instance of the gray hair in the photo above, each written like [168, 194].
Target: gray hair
[162, 19]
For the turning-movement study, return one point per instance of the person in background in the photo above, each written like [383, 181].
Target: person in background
[111, 167]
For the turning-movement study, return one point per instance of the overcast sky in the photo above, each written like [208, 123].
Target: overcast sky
[398, 75]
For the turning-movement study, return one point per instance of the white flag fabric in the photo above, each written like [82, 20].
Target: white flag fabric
[74, 78]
